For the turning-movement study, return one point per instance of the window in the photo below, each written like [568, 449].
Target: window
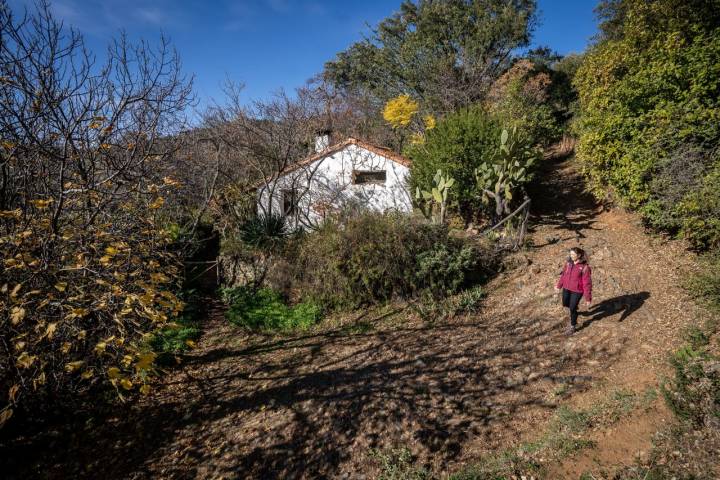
[289, 203]
[362, 177]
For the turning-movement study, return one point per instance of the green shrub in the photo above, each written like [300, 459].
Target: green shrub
[649, 103]
[265, 309]
[694, 392]
[377, 257]
[706, 284]
[178, 336]
[444, 269]
[398, 465]
[458, 144]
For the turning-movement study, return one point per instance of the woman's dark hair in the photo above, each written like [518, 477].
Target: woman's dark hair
[579, 252]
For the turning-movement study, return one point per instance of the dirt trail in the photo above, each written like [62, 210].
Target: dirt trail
[315, 405]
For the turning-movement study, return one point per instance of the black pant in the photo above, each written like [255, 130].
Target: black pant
[571, 300]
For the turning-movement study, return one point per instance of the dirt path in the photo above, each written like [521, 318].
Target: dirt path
[314, 406]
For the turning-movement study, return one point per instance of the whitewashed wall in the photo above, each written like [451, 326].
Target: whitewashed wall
[325, 186]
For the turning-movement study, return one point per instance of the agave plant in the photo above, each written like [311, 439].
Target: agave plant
[264, 231]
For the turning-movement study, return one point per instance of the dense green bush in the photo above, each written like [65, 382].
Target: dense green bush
[649, 107]
[377, 257]
[265, 309]
[457, 145]
[443, 269]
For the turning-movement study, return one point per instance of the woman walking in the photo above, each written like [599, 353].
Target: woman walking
[575, 282]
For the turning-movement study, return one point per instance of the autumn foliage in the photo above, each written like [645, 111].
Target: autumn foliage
[87, 271]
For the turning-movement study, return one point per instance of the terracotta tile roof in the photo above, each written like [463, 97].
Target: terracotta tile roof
[382, 151]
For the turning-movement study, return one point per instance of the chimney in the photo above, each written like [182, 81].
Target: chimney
[322, 140]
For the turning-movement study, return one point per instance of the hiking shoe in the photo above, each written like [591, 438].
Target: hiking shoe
[570, 330]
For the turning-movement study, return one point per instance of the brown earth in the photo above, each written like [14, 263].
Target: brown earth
[315, 405]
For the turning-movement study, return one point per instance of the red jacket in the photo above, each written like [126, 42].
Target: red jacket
[577, 277]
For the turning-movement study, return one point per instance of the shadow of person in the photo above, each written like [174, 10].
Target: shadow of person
[627, 304]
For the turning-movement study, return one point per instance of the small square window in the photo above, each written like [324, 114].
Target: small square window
[363, 177]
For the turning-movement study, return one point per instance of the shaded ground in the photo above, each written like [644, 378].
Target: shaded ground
[315, 405]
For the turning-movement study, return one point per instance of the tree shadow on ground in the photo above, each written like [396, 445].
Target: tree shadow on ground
[560, 199]
[306, 407]
[627, 304]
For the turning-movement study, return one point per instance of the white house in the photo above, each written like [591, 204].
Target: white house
[349, 174]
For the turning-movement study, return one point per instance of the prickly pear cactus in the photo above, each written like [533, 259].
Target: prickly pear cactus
[511, 170]
[434, 203]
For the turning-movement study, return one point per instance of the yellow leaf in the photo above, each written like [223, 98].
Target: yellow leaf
[126, 384]
[50, 331]
[41, 204]
[5, 416]
[12, 394]
[72, 366]
[111, 251]
[145, 361]
[81, 334]
[77, 312]
[25, 360]
[17, 213]
[20, 345]
[145, 389]
[61, 286]
[105, 259]
[86, 374]
[40, 380]
[127, 360]
[159, 278]
[170, 181]
[113, 372]
[190, 343]
[16, 290]
[65, 347]
[157, 203]
[100, 348]
[16, 315]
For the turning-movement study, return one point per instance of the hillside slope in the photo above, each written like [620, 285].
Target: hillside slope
[316, 405]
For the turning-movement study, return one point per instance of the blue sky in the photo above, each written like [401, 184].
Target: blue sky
[273, 44]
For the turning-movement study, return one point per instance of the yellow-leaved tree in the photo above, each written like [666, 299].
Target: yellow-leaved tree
[400, 111]
[403, 115]
[87, 269]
